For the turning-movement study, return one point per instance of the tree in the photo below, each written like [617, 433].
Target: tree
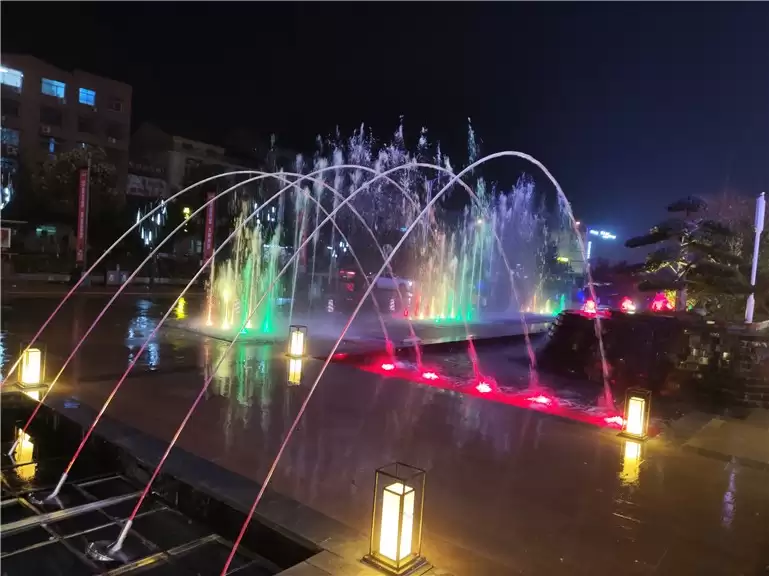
[694, 254]
[54, 188]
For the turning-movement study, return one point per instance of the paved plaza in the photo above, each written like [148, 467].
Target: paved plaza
[510, 489]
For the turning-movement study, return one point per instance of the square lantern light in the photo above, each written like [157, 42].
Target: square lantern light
[295, 371]
[297, 341]
[396, 520]
[636, 420]
[32, 366]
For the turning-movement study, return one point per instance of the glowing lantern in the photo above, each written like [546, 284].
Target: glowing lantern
[589, 307]
[627, 305]
[636, 423]
[294, 370]
[631, 462]
[396, 524]
[388, 367]
[297, 340]
[31, 367]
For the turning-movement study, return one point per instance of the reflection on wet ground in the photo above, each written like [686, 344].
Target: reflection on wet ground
[509, 489]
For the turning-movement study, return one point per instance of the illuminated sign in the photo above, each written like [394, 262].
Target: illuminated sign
[603, 234]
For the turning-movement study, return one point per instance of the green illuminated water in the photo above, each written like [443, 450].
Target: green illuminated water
[242, 280]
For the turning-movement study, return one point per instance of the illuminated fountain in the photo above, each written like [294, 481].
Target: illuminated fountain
[455, 262]
[452, 268]
[459, 270]
[242, 279]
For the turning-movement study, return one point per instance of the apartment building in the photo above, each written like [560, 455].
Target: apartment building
[47, 110]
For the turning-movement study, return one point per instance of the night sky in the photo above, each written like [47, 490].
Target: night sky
[629, 105]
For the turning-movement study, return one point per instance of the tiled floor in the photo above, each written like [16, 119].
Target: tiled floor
[41, 538]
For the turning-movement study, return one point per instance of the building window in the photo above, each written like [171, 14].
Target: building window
[11, 77]
[8, 169]
[43, 231]
[53, 88]
[115, 132]
[10, 137]
[87, 97]
[50, 116]
[10, 108]
[116, 105]
[51, 145]
[86, 125]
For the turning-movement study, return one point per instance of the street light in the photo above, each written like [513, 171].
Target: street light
[636, 420]
[32, 367]
[759, 226]
[396, 520]
[297, 341]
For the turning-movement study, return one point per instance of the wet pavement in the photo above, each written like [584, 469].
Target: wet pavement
[511, 489]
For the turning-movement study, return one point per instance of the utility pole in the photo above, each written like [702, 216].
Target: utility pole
[760, 216]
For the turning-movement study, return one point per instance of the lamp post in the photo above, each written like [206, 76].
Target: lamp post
[636, 418]
[760, 217]
[297, 341]
[396, 521]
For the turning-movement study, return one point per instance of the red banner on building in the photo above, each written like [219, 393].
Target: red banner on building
[208, 238]
[82, 216]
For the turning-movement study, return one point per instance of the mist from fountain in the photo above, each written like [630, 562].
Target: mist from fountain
[452, 267]
[347, 325]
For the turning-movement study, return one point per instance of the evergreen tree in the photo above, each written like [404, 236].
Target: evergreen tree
[693, 255]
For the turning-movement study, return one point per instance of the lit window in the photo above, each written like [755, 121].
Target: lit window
[42, 231]
[87, 97]
[10, 137]
[50, 145]
[53, 88]
[11, 77]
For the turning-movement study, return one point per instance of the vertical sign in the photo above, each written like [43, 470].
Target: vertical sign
[208, 238]
[82, 216]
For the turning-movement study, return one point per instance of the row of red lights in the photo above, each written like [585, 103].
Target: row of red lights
[626, 305]
[487, 387]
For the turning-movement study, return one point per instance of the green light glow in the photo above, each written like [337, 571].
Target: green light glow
[241, 281]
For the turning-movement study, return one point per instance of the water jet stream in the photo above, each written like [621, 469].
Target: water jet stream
[173, 306]
[306, 401]
[103, 256]
[124, 532]
[260, 175]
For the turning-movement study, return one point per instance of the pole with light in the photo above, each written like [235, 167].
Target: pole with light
[760, 216]
[396, 521]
